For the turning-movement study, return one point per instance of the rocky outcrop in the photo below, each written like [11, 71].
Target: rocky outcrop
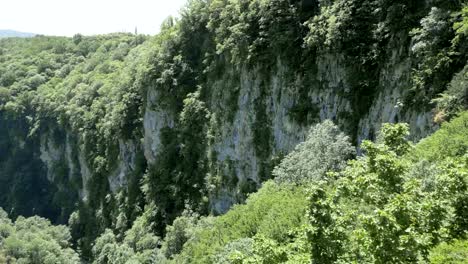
[126, 164]
[65, 154]
[234, 145]
[154, 120]
[252, 123]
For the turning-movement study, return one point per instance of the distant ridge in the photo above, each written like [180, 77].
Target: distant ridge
[6, 33]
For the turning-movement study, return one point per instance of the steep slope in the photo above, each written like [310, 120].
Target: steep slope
[198, 116]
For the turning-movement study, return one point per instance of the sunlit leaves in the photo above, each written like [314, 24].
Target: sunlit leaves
[34, 240]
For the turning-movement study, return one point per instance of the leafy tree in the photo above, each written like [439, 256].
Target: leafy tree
[440, 49]
[137, 246]
[107, 251]
[177, 234]
[379, 212]
[97, 89]
[34, 241]
[325, 149]
[141, 237]
[455, 99]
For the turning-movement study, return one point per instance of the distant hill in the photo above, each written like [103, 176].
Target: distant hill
[12, 33]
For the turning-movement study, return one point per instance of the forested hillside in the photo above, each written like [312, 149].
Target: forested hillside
[246, 131]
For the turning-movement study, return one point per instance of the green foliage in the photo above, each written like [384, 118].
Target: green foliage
[461, 26]
[254, 30]
[326, 149]
[107, 251]
[455, 99]
[137, 246]
[235, 251]
[89, 87]
[454, 253]
[272, 214]
[380, 208]
[264, 250]
[324, 236]
[340, 25]
[440, 49]
[381, 211]
[450, 141]
[34, 241]
[394, 137]
[193, 129]
[140, 236]
[177, 180]
[388, 206]
[177, 234]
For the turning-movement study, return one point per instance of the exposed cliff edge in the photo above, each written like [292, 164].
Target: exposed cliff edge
[198, 116]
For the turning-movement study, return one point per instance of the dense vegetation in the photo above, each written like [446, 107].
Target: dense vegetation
[394, 204]
[389, 206]
[34, 240]
[69, 105]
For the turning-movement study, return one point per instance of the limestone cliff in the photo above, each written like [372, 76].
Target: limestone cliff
[198, 115]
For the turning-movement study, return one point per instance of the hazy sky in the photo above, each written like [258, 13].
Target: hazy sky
[67, 17]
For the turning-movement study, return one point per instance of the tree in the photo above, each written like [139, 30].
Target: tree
[382, 209]
[139, 244]
[177, 234]
[455, 98]
[106, 250]
[325, 149]
[34, 241]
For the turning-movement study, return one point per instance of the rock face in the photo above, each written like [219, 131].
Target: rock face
[256, 117]
[233, 148]
[126, 164]
[155, 119]
[65, 163]
[50, 155]
[388, 105]
[63, 153]
[234, 144]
